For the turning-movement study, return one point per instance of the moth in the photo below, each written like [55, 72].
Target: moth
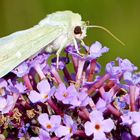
[53, 33]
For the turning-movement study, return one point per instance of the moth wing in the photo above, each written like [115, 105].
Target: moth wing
[21, 45]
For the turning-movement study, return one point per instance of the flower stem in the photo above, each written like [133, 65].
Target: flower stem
[80, 70]
[55, 138]
[110, 107]
[75, 63]
[27, 82]
[113, 110]
[56, 75]
[39, 71]
[92, 70]
[98, 84]
[54, 107]
[67, 75]
[80, 133]
[83, 113]
[132, 97]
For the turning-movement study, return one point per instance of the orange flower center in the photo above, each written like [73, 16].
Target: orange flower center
[97, 126]
[1, 91]
[65, 94]
[49, 126]
[46, 96]
[70, 130]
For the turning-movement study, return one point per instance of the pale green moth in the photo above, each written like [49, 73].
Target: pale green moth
[53, 33]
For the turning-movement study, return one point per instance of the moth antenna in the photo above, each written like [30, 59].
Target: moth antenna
[109, 32]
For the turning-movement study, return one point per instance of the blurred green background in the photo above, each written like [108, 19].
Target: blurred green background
[121, 17]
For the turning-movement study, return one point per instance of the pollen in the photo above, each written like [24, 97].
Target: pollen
[30, 113]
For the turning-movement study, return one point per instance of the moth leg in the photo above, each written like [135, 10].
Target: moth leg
[58, 53]
[76, 47]
[83, 43]
[57, 58]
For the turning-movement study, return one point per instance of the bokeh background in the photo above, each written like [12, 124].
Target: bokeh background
[122, 17]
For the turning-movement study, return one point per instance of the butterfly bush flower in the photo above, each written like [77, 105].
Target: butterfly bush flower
[131, 78]
[41, 101]
[67, 95]
[43, 135]
[105, 100]
[20, 87]
[22, 69]
[3, 87]
[98, 126]
[126, 65]
[45, 92]
[83, 99]
[68, 130]
[101, 105]
[96, 50]
[39, 63]
[49, 124]
[7, 103]
[112, 69]
[39, 59]
[132, 119]
[71, 96]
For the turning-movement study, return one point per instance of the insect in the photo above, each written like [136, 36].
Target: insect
[53, 33]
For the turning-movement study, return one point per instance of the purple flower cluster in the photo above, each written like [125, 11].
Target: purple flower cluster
[39, 101]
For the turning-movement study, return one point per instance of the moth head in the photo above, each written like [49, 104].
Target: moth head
[79, 32]
[80, 27]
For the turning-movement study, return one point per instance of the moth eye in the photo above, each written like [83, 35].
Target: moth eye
[77, 30]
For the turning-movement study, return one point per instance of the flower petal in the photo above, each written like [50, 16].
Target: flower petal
[43, 119]
[3, 103]
[43, 86]
[107, 125]
[62, 131]
[44, 135]
[68, 120]
[135, 116]
[55, 119]
[126, 119]
[35, 138]
[34, 96]
[101, 105]
[89, 128]
[136, 129]
[96, 115]
[99, 135]
[10, 104]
